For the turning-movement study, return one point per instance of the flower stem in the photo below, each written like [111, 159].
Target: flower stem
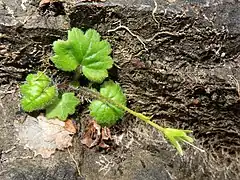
[169, 133]
[136, 114]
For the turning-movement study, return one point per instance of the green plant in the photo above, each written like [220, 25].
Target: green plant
[87, 54]
[84, 50]
[105, 113]
[38, 93]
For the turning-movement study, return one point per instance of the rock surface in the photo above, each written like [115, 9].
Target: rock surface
[179, 62]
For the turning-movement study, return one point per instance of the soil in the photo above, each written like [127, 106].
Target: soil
[180, 63]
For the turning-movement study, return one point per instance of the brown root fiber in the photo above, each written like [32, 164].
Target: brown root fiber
[183, 77]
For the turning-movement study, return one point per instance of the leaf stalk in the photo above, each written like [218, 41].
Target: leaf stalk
[136, 114]
[174, 136]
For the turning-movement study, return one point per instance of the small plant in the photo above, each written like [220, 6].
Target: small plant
[87, 54]
[38, 93]
[86, 51]
[105, 113]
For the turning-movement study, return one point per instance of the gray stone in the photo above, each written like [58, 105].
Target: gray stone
[185, 71]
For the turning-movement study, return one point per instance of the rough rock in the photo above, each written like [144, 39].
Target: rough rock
[181, 66]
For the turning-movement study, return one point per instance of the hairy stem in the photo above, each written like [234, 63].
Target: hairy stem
[136, 114]
[78, 73]
[174, 136]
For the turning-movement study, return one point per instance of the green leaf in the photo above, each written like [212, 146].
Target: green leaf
[175, 136]
[64, 58]
[86, 50]
[105, 113]
[62, 107]
[37, 92]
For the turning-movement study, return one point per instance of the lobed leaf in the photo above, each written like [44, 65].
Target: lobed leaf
[37, 92]
[85, 50]
[107, 114]
[62, 107]
[64, 58]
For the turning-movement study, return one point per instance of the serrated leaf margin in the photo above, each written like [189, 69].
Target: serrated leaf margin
[37, 92]
[97, 108]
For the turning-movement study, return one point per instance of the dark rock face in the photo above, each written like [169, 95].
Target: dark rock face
[183, 66]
